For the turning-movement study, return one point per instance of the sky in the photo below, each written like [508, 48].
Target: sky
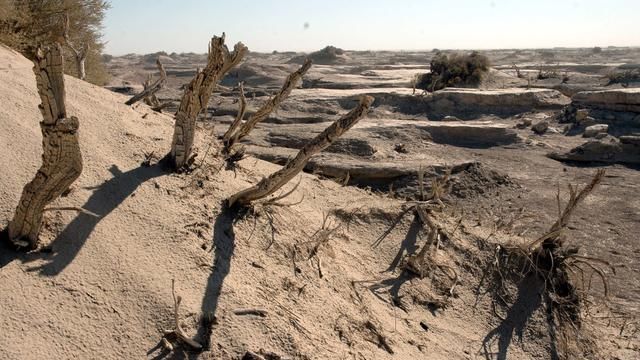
[146, 26]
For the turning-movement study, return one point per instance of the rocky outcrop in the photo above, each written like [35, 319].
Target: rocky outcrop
[625, 150]
[468, 103]
[613, 100]
[496, 101]
[471, 135]
[595, 130]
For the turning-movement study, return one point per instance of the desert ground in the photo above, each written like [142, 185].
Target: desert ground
[263, 283]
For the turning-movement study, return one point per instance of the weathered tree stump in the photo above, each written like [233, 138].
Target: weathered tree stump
[61, 158]
[275, 181]
[197, 94]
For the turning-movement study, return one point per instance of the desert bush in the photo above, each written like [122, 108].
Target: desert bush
[151, 58]
[596, 50]
[327, 55]
[623, 77]
[547, 54]
[450, 70]
[548, 74]
[25, 24]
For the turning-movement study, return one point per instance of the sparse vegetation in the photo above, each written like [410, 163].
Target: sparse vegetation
[454, 70]
[25, 24]
[623, 77]
[547, 74]
[327, 55]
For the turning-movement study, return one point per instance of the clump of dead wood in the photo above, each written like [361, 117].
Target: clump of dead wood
[566, 275]
[150, 89]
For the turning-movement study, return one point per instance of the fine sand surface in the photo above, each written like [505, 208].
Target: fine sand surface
[100, 287]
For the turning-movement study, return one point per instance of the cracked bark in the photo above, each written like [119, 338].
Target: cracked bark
[196, 97]
[61, 158]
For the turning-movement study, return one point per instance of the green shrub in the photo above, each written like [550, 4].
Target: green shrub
[454, 70]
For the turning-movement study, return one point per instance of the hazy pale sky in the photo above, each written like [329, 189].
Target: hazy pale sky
[144, 26]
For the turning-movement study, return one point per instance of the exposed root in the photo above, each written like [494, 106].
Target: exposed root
[561, 269]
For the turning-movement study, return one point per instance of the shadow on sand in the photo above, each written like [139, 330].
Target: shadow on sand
[528, 299]
[105, 198]
[223, 247]
[407, 247]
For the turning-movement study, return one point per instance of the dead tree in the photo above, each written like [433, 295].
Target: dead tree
[79, 52]
[269, 185]
[197, 94]
[61, 158]
[150, 90]
[236, 132]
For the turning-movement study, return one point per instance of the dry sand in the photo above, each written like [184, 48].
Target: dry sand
[101, 287]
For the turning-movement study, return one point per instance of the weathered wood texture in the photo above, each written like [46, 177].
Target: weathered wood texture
[275, 181]
[262, 113]
[197, 94]
[61, 158]
[242, 108]
[150, 89]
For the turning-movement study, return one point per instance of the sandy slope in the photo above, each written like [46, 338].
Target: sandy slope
[103, 291]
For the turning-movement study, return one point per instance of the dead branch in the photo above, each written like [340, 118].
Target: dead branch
[256, 312]
[241, 111]
[150, 90]
[575, 197]
[72, 208]
[178, 331]
[291, 82]
[275, 181]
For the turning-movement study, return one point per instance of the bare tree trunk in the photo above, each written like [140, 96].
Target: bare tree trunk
[61, 158]
[269, 185]
[232, 138]
[196, 97]
[80, 54]
[80, 60]
[148, 94]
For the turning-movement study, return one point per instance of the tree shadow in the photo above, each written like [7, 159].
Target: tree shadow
[409, 243]
[224, 247]
[8, 252]
[407, 247]
[106, 197]
[529, 298]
